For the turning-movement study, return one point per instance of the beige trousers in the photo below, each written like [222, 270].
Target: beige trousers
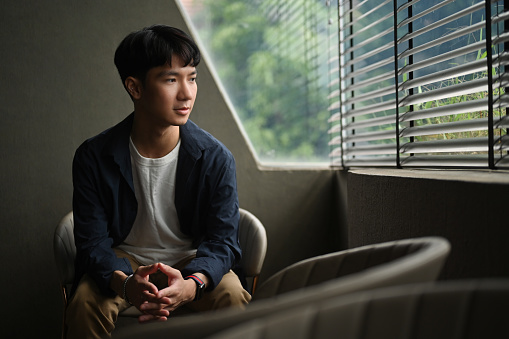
[91, 314]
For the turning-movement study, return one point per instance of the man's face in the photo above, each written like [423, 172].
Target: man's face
[168, 95]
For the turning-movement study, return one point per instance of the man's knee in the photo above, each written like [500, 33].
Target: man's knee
[91, 311]
[232, 298]
[230, 293]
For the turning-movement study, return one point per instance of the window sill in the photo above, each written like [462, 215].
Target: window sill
[467, 175]
[298, 166]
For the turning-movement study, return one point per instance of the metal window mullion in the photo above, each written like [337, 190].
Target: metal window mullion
[506, 47]
[396, 83]
[489, 57]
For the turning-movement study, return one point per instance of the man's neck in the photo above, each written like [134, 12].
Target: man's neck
[154, 142]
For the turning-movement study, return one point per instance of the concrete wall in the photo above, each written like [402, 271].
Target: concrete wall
[59, 86]
[469, 208]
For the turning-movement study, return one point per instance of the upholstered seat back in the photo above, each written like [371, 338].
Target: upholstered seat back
[64, 249]
[444, 310]
[411, 260]
[253, 241]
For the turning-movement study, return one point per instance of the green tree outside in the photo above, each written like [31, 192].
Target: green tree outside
[274, 70]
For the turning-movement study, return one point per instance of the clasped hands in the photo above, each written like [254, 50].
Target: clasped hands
[157, 304]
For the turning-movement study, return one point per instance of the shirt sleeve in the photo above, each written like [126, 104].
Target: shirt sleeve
[219, 249]
[95, 255]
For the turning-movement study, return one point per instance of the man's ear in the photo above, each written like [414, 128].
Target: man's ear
[134, 87]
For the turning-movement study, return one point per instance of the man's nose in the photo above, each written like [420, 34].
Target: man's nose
[185, 92]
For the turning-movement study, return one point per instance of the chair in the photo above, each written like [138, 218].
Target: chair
[253, 241]
[385, 264]
[252, 238]
[313, 280]
[451, 309]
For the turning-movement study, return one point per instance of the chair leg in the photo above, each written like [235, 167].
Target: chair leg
[255, 282]
[64, 296]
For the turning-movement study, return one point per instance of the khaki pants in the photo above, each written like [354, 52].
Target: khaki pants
[91, 314]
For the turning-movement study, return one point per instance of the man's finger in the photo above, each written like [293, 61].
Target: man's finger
[145, 271]
[144, 318]
[169, 271]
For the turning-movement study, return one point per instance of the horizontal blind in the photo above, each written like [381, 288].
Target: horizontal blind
[439, 100]
[451, 83]
[363, 112]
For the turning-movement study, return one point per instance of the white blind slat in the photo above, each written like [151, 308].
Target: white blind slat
[436, 109]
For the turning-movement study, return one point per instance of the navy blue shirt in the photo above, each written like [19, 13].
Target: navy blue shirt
[105, 206]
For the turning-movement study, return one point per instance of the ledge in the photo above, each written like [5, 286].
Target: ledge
[294, 166]
[467, 175]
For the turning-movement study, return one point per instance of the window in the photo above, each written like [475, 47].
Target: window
[420, 83]
[401, 83]
[271, 57]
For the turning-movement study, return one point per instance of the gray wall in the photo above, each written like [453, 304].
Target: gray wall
[467, 208]
[59, 86]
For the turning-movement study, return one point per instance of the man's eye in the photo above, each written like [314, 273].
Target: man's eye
[171, 80]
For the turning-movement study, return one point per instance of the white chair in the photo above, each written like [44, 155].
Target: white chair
[313, 280]
[252, 238]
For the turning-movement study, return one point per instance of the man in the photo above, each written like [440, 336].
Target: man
[155, 199]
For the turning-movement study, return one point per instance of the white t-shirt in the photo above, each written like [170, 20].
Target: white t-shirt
[156, 236]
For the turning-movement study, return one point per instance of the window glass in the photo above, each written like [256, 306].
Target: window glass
[272, 59]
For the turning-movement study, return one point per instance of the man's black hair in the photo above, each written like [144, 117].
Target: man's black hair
[152, 47]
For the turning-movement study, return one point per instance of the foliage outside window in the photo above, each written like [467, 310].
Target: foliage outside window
[271, 57]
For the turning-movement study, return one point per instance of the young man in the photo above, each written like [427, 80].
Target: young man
[155, 199]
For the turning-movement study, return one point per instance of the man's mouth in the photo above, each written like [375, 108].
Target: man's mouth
[183, 110]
